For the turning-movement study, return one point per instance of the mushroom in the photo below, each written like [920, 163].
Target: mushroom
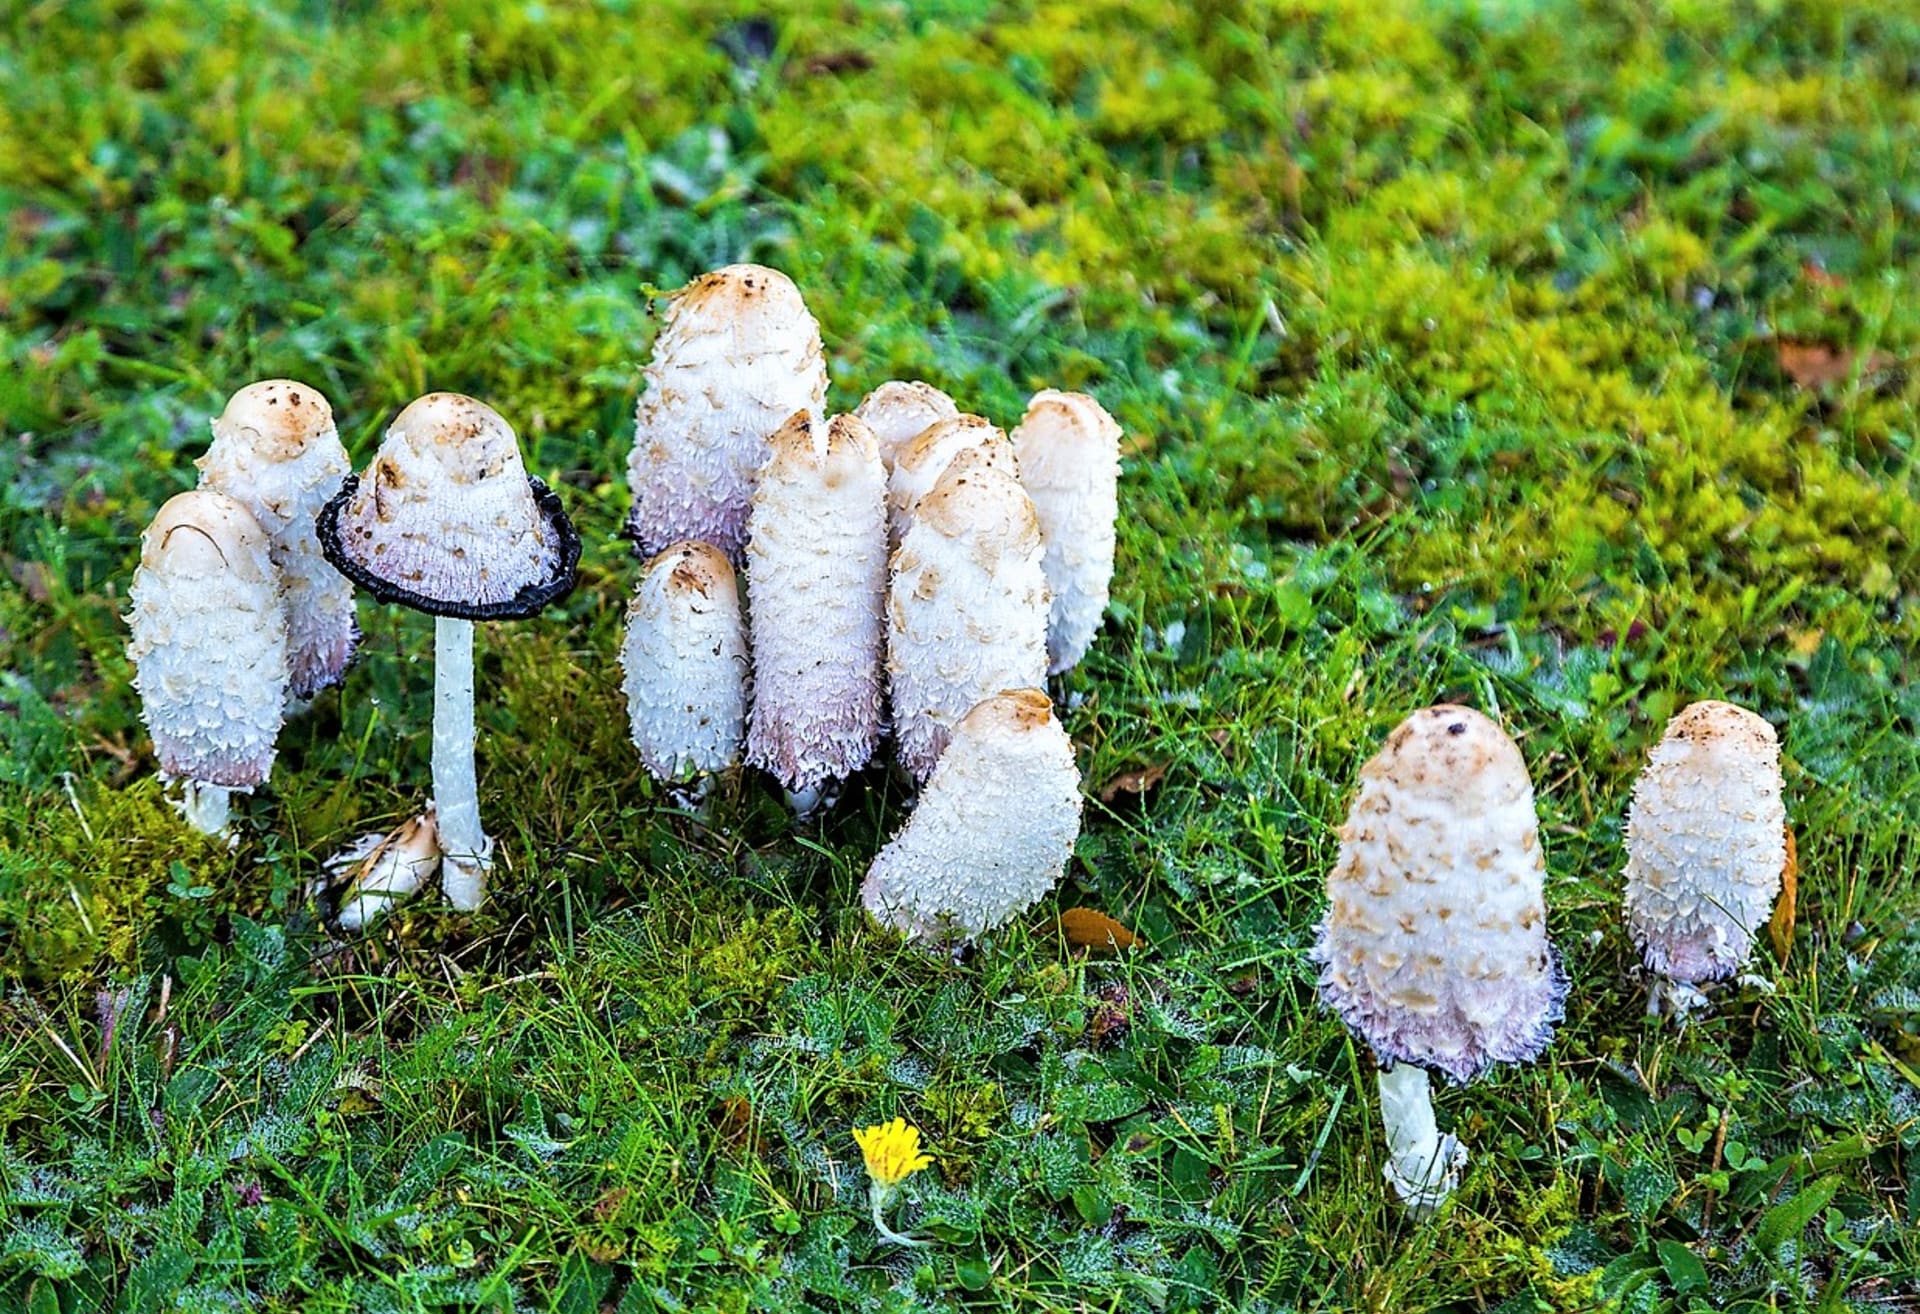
[685, 658]
[209, 650]
[448, 522]
[276, 451]
[991, 832]
[1706, 843]
[816, 589]
[737, 355]
[381, 870]
[899, 412]
[967, 609]
[1434, 949]
[917, 467]
[1069, 453]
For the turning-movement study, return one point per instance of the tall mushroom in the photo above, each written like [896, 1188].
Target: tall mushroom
[991, 832]
[737, 355]
[276, 451]
[816, 590]
[898, 413]
[1069, 453]
[685, 658]
[918, 465]
[967, 609]
[1434, 949]
[209, 650]
[448, 522]
[1706, 843]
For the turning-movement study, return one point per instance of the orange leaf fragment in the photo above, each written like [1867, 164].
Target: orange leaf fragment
[1089, 928]
[1134, 780]
[1813, 365]
[1780, 928]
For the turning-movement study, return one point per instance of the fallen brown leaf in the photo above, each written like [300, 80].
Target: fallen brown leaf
[1134, 780]
[1089, 928]
[1813, 365]
[1780, 928]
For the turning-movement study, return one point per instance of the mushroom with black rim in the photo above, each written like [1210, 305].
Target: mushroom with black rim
[447, 521]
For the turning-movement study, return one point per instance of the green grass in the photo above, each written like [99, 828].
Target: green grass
[1447, 337]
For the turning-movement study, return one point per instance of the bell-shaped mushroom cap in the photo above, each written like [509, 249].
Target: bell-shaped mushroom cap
[991, 832]
[967, 608]
[685, 658]
[918, 466]
[276, 451]
[899, 412]
[209, 641]
[739, 353]
[1434, 948]
[447, 520]
[816, 589]
[1706, 842]
[1069, 454]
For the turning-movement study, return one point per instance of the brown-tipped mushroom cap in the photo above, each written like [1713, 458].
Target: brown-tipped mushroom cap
[899, 412]
[280, 420]
[447, 520]
[1434, 948]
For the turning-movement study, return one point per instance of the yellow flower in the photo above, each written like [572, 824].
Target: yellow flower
[892, 1151]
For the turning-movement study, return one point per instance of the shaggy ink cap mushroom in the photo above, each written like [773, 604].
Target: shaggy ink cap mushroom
[1069, 456]
[447, 520]
[275, 449]
[209, 648]
[1706, 844]
[685, 660]
[919, 464]
[899, 412]
[1434, 947]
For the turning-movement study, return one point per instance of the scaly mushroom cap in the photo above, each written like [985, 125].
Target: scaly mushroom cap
[1069, 453]
[1434, 948]
[967, 608]
[991, 832]
[816, 584]
[918, 466]
[276, 451]
[685, 658]
[737, 355]
[900, 412]
[209, 641]
[1706, 842]
[447, 520]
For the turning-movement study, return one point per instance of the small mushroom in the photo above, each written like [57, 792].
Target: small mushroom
[209, 650]
[448, 522]
[737, 355]
[685, 658]
[899, 412]
[1706, 843]
[967, 608]
[816, 589]
[918, 466]
[276, 451]
[992, 831]
[1434, 948]
[1069, 453]
[380, 871]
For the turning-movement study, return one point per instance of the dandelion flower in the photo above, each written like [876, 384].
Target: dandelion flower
[892, 1152]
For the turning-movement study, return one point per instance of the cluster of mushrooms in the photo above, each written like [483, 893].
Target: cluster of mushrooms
[907, 569]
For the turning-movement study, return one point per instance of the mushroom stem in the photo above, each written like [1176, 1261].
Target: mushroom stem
[466, 851]
[1422, 1165]
[204, 806]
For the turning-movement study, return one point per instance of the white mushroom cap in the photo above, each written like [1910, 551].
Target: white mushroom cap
[1434, 948]
[1706, 842]
[816, 585]
[209, 641]
[447, 520]
[276, 451]
[1069, 453]
[685, 658]
[739, 353]
[967, 608]
[917, 467]
[899, 412]
[992, 831]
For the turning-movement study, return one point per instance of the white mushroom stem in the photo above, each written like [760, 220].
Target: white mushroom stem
[466, 851]
[205, 806]
[1422, 1165]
